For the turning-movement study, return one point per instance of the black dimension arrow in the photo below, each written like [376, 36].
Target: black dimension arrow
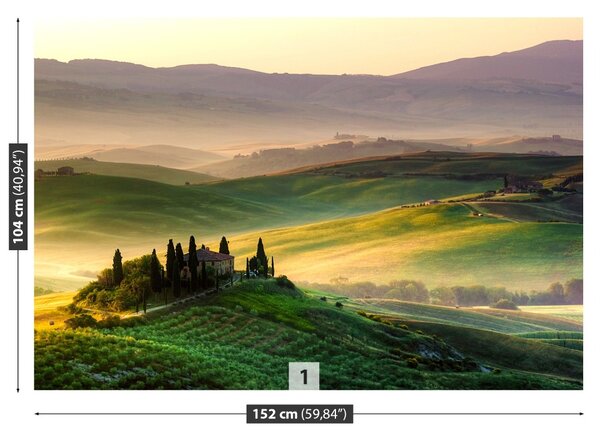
[140, 413]
[468, 413]
[18, 273]
[356, 413]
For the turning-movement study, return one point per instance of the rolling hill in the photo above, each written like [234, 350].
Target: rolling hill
[452, 163]
[534, 92]
[155, 173]
[273, 160]
[164, 155]
[501, 321]
[136, 214]
[324, 222]
[245, 336]
[558, 62]
[545, 145]
[312, 220]
[439, 245]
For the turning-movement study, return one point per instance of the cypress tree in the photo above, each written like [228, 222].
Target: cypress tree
[260, 252]
[204, 279]
[224, 246]
[247, 269]
[176, 279]
[266, 268]
[117, 268]
[193, 265]
[253, 263]
[155, 277]
[272, 267]
[179, 256]
[164, 282]
[170, 258]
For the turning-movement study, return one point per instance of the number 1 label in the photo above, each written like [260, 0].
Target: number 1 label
[303, 375]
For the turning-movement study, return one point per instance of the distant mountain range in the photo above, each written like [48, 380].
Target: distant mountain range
[532, 92]
[559, 62]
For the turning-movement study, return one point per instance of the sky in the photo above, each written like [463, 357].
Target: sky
[381, 46]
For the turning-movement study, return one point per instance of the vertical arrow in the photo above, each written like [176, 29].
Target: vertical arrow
[18, 273]
[18, 21]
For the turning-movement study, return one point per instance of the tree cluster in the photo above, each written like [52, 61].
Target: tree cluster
[415, 291]
[258, 265]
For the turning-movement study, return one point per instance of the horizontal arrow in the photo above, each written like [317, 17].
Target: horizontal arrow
[356, 413]
[140, 413]
[468, 413]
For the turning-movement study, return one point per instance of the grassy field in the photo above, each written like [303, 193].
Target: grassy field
[574, 313]
[243, 338]
[501, 321]
[324, 223]
[50, 313]
[530, 212]
[160, 174]
[507, 351]
[137, 215]
[461, 164]
[440, 245]
[46, 309]
[566, 339]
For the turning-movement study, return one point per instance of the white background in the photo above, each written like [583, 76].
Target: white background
[18, 410]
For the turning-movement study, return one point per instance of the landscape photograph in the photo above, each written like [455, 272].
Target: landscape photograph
[397, 199]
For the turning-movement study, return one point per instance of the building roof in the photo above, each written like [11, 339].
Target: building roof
[209, 256]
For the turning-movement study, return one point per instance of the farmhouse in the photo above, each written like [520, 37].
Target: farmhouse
[222, 263]
[518, 184]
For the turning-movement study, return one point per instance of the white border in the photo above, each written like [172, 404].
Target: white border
[19, 409]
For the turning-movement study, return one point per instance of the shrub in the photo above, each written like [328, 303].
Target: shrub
[412, 362]
[109, 322]
[81, 321]
[338, 304]
[283, 281]
[323, 298]
[505, 304]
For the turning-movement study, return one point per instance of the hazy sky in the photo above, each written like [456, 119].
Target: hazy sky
[298, 45]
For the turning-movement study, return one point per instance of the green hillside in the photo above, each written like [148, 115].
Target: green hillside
[439, 245]
[339, 195]
[155, 173]
[531, 212]
[137, 215]
[243, 338]
[502, 321]
[506, 351]
[457, 164]
[325, 222]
